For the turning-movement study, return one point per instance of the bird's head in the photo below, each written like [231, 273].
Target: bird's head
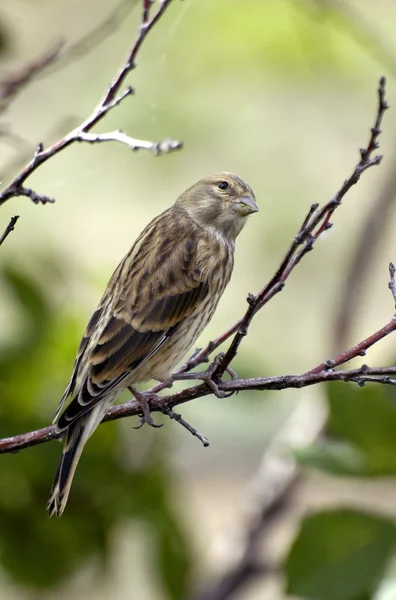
[220, 202]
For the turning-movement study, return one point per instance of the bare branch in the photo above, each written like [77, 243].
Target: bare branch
[25, 440]
[59, 57]
[371, 236]
[112, 98]
[10, 227]
[361, 348]
[145, 27]
[279, 474]
[167, 410]
[360, 375]
[157, 148]
[315, 223]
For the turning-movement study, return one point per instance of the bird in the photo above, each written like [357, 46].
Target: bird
[158, 301]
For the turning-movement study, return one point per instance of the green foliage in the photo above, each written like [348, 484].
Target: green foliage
[345, 554]
[339, 555]
[363, 421]
[40, 552]
[338, 458]
[366, 418]
[284, 36]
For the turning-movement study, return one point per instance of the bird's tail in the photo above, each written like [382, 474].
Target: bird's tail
[76, 438]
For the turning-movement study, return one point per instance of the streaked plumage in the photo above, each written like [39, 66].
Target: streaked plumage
[158, 301]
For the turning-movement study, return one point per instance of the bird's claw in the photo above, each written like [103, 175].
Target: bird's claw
[149, 420]
[213, 386]
[207, 377]
[234, 377]
[145, 417]
[141, 422]
[232, 373]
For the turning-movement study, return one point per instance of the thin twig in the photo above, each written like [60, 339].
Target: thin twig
[167, 410]
[52, 60]
[10, 227]
[314, 224]
[27, 149]
[391, 284]
[59, 57]
[361, 348]
[279, 473]
[371, 236]
[112, 98]
[157, 148]
[361, 376]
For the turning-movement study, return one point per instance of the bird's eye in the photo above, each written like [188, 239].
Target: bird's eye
[223, 185]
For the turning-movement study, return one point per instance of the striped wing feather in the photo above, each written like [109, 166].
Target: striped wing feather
[156, 286]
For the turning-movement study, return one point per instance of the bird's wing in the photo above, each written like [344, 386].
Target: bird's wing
[156, 286]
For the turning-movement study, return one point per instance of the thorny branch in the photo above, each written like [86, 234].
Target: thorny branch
[314, 225]
[112, 98]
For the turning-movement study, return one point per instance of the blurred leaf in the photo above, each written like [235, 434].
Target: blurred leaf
[339, 555]
[339, 458]
[38, 552]
[34, 312]
[366, 417]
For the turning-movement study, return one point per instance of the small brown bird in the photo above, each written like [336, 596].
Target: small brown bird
[158, 301]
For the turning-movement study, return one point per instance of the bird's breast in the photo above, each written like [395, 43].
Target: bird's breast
[161, 364]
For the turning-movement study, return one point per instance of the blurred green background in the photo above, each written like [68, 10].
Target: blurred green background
[282, 92]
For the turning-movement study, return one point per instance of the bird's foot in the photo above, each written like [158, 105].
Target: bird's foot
[143, 398]
[207, 377]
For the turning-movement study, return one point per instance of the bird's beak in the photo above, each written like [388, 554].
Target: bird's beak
[245, 206]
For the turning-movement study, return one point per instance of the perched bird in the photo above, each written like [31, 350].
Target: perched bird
[158, 301]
